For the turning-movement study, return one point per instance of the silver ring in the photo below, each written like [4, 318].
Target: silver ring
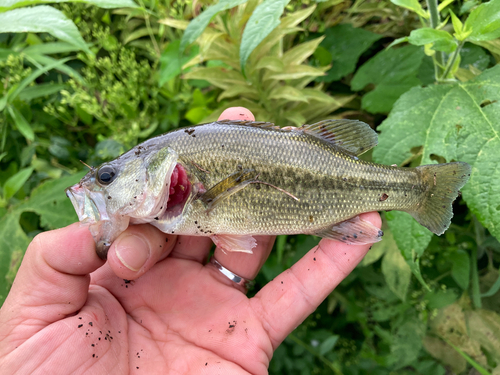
[238, 280]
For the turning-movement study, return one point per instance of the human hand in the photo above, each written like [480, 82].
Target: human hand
[69, 313]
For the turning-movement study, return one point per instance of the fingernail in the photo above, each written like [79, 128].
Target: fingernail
[132, 251]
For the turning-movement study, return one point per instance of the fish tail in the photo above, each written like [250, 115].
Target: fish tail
[444, 182]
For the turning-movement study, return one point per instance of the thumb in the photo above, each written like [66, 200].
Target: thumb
[52, 282]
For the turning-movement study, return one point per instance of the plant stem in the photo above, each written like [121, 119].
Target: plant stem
[432, 5]
[476, 293]
[451, 61]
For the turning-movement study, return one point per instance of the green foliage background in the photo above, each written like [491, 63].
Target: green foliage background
[90, 79]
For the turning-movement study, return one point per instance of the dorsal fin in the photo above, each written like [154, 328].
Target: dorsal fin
[255, 124]
[353, 136]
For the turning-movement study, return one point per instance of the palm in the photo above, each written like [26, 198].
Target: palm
[178, 307]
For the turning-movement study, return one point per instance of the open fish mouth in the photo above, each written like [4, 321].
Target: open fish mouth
[89, 206]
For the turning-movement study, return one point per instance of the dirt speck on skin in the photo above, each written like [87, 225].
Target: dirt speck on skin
[314, 259]
[231, 327]
[80, 325]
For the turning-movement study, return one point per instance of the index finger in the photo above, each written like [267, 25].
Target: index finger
[297, 292]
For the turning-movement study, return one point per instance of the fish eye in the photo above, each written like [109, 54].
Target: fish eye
[106, 174]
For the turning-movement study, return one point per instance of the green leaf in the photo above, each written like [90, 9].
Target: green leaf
[50, 48]
[15, 90]
[40, 90]
[485, 328]
[328, 344]
[412, 239]
[378, 249]
[394, 268]
[298, 54]
[456, 121]
[217, 76]
[172, 61]
[460, 269]
[474, 55]
[484, 22]
[42, 19]
[440, 40]
[21, 123]
[288, 93]
[13, 244]
[272, 63]
[406, 343]
[393, 72]
[345, 44]
[264, 19]
[197, 25]
[58, 65]
[16, 182]
[413, 5]
[297, 71]
[49, 200]
[107, 4]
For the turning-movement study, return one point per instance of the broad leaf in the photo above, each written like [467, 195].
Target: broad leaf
[411, 237]
[50, 202]
[406, 343]
[394, 268]
[440, 40]
[264, 19]
[108, 4]
[484, 22]
[460, 269]
[471, 54]
[197, 25]
[393, 72]
[172, 61]
[42, 19]
[13, 244]
[345, 44]
[16, 182]
[485, 329]
[457, 121]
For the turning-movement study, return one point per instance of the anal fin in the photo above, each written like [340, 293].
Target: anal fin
[353, 231]
[230, 243]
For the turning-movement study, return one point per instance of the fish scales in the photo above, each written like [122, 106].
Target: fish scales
[233, 180]
[306, 167]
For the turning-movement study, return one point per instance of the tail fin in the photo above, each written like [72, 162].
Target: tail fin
[444, 181]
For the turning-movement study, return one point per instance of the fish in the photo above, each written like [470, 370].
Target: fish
[232, 180]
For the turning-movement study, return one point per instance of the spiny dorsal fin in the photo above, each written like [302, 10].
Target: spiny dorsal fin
[255, 124]
[353, 136]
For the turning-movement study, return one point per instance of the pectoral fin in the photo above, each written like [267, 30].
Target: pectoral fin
[353, 232]
[227, 187]
[233, 243]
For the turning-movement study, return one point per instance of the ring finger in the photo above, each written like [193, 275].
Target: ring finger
[244, 265]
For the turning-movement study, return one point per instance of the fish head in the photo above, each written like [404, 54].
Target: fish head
[133, 186]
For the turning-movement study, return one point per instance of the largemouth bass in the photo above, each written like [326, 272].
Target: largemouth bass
[231, 180]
